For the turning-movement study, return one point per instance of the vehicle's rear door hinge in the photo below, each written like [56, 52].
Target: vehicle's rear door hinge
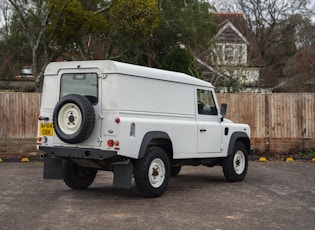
[101, 116]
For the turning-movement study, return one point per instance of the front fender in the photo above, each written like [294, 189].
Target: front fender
[239, 136]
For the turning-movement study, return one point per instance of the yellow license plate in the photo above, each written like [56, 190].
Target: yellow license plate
[46, 129]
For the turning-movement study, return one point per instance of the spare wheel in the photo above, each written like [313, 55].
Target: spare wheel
[73, 118]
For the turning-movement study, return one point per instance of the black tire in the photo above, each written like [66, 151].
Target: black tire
[175, 170]
[235, 165]
[152, 172]
[73, 118]
[77, 177]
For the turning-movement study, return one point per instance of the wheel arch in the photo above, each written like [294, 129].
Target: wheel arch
[241, 137]
[156, 138]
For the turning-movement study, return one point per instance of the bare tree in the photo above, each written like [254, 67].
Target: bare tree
[35, 34]
[5, 16]
[264, 16]
[277, 25]
[224, 5]
[53, 26]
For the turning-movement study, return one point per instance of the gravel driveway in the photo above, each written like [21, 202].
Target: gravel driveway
[274, 195]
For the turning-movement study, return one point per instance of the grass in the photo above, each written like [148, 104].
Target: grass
[310, 152]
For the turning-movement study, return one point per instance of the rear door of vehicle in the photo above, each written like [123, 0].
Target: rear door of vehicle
[85, 82]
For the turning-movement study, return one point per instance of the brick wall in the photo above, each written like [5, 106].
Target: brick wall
[282, 145]
[18, 148]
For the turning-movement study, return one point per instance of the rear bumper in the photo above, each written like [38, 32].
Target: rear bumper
[77, 153]
[53, 166]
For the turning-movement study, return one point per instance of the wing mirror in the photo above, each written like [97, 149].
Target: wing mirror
[223, 110]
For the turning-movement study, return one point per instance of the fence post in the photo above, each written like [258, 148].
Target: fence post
[267, 126]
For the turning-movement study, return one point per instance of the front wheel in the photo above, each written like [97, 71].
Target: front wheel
[152, 172]
[235, 165]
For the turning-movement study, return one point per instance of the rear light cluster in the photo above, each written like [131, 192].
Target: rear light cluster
[42, 139]
[114, 143]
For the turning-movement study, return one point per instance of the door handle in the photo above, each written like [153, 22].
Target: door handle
[203, 130]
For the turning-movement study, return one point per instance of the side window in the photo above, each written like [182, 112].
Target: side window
[206, 103]
[85, 84]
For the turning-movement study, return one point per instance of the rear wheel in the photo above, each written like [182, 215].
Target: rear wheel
[77, 177]
[152, 172]
[235, 165]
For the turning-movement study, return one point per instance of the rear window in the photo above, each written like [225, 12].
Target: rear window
[85, 84]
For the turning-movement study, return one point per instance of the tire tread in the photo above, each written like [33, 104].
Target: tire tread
[71, 178]
[141, 172]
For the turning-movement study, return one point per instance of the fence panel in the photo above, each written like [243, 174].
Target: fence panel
[18, 115]
[285, 115]
[246, 108]
[269, 115]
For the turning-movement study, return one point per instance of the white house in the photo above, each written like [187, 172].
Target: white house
[235, 58]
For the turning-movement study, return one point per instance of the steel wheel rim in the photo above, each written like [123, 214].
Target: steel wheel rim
[69, 118]
[156, 173]
[239, 162]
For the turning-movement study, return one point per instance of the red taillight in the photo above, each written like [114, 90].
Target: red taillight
[117, 120]
[110, 143]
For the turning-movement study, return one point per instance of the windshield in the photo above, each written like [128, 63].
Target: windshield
[85, 84]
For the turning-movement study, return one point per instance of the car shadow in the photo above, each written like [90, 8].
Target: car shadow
[176, 184]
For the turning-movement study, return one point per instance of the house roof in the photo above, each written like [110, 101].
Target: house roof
[229, 33]
[237, 19]
[233, 28]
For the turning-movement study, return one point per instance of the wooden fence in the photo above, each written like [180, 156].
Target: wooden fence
[289, 116]
[18, 115]
[273, 115]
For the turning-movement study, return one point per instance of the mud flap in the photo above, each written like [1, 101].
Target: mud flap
[53, 168]
[123, 174]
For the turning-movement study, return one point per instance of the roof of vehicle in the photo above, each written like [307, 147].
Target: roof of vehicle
[114, 67]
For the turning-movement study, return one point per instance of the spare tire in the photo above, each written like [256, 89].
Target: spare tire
[73, 118]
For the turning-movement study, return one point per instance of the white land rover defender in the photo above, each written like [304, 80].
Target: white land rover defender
[133, 121]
